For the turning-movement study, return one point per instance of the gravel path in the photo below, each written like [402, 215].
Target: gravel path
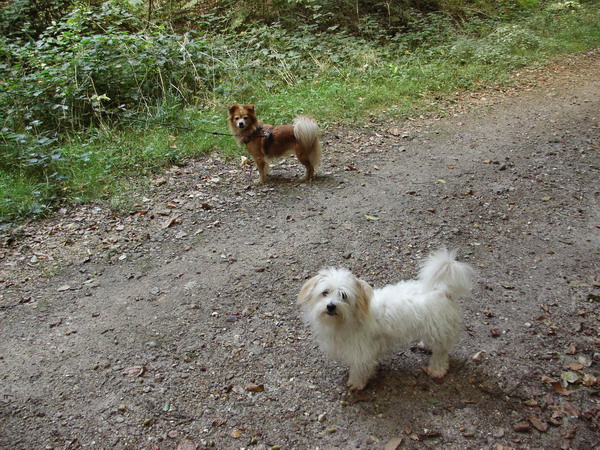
[175, 325]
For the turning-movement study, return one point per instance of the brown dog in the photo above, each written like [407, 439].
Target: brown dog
[265, 142]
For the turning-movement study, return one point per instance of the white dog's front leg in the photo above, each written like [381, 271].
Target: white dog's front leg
[359, 375]
[438, 363]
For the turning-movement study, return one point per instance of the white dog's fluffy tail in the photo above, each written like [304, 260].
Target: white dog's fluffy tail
[306, 131]
[441, 270]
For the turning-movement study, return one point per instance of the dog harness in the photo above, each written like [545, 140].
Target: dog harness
[261, 132]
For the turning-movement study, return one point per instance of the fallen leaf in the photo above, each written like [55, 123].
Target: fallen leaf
[134, 371]
[521, 427]
[589, 380]
[64, 287]
[371, 218]
[569, 377]
[393, 444]
[186, 444]
[575, 366]
[218, 422]
[537, 423]
[570, 410]
[170, 221]
[55, 323]
[429, 434]
[556, 386]
[255, 387]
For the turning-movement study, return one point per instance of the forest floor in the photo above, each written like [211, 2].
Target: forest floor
[175, 326]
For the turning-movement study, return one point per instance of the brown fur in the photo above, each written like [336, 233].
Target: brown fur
[304, 295]
[363, 298]
[301, 138]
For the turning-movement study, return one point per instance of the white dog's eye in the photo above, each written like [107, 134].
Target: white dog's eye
[325, 293]
[344, 296]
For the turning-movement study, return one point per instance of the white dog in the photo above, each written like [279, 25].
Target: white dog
[358, 325]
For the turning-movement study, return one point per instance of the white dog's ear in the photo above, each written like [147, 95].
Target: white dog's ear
[364, 293]
[304, 295]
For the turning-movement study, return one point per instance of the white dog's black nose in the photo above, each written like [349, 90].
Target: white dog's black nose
[330, 309]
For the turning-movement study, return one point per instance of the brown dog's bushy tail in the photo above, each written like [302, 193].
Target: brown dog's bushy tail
[306, 131]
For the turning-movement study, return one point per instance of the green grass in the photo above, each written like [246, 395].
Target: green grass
[103, 163]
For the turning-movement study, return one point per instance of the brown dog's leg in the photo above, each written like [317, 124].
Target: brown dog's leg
[310, 170]
[262, 167]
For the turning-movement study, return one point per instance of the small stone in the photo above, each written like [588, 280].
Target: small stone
[498, 433]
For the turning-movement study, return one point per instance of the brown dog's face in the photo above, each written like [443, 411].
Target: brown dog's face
[242, 117]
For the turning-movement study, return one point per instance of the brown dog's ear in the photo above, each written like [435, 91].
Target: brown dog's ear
[364, 293]
[304, 295]
[232, 108]
[250, 108]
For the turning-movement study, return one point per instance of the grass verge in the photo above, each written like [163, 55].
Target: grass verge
[101, 163]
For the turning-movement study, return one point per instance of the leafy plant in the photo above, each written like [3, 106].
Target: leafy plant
[96, 93]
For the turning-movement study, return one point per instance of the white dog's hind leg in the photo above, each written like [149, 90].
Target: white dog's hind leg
[438, 363]
[360, 374]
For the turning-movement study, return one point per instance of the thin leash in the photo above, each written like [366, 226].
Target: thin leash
[187, 128]
[250, 136]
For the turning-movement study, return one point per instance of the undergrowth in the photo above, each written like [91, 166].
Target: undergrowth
[97, 96]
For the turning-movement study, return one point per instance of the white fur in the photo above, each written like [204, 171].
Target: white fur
[306, 131]
[358, 325]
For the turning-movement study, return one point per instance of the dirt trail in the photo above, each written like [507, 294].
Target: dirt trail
[175, 326]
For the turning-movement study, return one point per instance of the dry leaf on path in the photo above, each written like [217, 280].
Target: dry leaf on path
[394, 444]
[134, 371]
[537, 423]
